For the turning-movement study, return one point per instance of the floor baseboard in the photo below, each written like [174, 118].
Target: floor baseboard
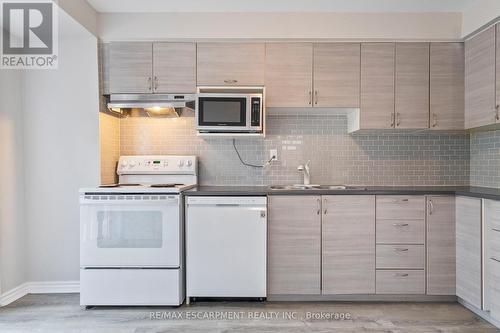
[39, 287]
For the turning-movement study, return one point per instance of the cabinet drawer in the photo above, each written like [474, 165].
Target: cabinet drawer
[407, 207]
[400, 282]
[400, 256]
[400, 231]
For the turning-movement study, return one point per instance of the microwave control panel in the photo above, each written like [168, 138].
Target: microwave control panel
[256, 105]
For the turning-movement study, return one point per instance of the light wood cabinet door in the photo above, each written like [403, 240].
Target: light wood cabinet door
[131, 67]
[294, 250]
[491, 253]
[441, 245]
[412, 85]
[337, 74]
[377, 85]
[497, 104]
[468, 250]
[174, 67]
[480, 88]
[447, 86]
[231, 64]
[348, 238]
[289, 74]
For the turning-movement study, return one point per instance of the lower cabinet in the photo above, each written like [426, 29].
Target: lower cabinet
[400, 249]
[441, 245]
[294, 245]
[348, 239]
[468, 250]
[492, 257]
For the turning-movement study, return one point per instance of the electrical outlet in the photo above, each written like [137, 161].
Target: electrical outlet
[273, 154]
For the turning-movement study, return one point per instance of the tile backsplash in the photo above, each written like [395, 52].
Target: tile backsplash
[382, 158]
[109, 132]
[485, 159]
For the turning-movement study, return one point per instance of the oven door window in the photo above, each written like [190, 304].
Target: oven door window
[129, 229]
[222, 111]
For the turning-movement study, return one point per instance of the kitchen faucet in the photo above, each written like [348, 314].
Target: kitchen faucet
[307, 174]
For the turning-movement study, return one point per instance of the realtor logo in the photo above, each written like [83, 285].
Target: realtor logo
[29, 37]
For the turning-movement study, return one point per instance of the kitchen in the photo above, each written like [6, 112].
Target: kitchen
[336, 169]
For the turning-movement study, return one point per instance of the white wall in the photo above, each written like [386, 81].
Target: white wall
[12, 229]
[82, 12]
[167, 26]
[61, 140]
[478, 14]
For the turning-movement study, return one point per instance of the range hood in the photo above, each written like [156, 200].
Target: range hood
[153, 105]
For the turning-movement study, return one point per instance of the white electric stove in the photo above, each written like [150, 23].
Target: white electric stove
[131, 233]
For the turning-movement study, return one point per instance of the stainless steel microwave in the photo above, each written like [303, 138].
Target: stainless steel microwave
[231, 112]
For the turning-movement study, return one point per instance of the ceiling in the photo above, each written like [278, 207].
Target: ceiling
[151, 6]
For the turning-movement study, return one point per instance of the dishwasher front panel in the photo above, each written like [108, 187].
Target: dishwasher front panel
[226, 242]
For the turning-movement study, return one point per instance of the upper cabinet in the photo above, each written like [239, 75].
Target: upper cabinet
[480, 90]
[131, 68]
[174, 67]
[412, 86]
[336, 74]
[377, 86]
[497, 104]
[312, 75]
[222, 64]
[447, 86]
[152, 68]
[289, 74]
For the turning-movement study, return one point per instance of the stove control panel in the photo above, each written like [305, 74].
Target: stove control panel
[157, 164]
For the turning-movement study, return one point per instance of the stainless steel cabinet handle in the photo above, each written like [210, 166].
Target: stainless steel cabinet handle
[401, 274]
[392, 119]
[434, 118]
[398, 119]
[495, 229]
[230, 81]
[400, 224]
[326, 210]
[149, 83]
[316, 97]
[156, 83]
[497, 112]
[431, 207]
[310, 97]
[397, 249]
[319, 206]
[495, 259]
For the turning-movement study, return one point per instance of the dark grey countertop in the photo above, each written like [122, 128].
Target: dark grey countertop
[479, 192]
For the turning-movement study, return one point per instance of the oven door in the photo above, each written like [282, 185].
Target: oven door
[222, 112]
[130, 231]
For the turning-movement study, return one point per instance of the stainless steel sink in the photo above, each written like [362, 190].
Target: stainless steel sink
[293, 187]
[315, 187]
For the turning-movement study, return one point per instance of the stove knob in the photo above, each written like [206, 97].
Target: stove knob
[131, 164]
[189, 163]
[124, 163]
[181, 163]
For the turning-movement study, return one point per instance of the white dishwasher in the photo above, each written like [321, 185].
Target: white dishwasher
[226, 243]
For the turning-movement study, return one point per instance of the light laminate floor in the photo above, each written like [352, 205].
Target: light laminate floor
[61, 313]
